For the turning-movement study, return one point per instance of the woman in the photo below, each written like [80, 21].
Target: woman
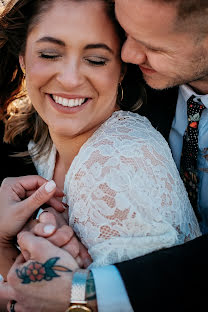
[117, 166]
[124, 193]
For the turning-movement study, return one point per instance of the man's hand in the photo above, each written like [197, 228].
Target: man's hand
[16, 208]
[42, 283]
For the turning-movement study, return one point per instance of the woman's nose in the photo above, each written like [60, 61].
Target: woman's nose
[70, 76]
[133, 52]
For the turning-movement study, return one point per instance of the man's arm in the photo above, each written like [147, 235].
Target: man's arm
[170, 279]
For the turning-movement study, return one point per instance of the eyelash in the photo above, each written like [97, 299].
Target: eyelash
[102, 62]
[49, 56]
[54, 57]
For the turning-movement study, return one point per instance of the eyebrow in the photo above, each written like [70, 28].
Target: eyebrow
[99, 46]
[52, 40]
[87, 47]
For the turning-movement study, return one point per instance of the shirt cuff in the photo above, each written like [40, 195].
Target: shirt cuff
[110, 290]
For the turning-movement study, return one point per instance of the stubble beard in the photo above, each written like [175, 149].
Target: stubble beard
[197, 76]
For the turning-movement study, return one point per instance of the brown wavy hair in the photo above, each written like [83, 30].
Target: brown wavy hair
[16, 21]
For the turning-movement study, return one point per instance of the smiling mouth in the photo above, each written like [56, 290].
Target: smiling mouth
[68, 102]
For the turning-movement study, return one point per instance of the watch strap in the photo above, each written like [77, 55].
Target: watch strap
[78, 290]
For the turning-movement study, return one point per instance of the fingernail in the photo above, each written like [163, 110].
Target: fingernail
[48, 229]
[50, 186]
[1, 279]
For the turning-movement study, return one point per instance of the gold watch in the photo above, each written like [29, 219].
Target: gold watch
[78, 292]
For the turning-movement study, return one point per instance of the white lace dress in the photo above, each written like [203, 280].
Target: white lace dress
[125, 196]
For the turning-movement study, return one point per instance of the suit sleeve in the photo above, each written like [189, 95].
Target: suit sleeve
[170, 279]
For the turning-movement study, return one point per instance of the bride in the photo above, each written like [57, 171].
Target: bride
[122, 187]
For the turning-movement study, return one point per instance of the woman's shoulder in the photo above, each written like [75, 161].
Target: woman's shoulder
[124, 126]
[124, 134]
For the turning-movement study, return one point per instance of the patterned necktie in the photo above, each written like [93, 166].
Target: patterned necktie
[189, 154]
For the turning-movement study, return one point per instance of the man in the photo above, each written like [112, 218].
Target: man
[168, 39]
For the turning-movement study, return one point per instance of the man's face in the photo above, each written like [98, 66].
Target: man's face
[166, 55]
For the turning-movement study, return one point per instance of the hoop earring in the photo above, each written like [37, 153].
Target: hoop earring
[122, 93]
[24, 73]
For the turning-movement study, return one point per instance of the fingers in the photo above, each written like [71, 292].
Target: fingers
[56, 204]
[30, 225]
[34, 182]
[46, 227]
[84, 255]
[39, 189]
[32, 247]
[60, 237]
[38, 198]
[72, 246]
[63, 237]
[53, 202]
[47, 218]
[41, 250]
[28, 183]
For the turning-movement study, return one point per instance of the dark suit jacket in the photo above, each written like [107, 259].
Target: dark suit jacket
[166, 280]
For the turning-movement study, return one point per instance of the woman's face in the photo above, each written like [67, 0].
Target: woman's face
[73, 67]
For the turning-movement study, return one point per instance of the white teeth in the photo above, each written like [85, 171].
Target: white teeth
[68, 102]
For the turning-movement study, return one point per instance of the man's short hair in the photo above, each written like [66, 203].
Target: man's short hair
[194, 12]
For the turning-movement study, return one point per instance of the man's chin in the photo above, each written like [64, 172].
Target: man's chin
[158, 84]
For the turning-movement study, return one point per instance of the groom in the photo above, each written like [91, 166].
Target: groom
[168, 39]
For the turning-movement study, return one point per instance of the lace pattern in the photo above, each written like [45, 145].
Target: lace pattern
[124, 192]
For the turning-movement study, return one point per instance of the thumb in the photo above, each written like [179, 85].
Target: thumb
[38, 198]
[47, 225]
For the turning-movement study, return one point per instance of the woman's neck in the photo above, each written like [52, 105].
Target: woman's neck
[67, 148]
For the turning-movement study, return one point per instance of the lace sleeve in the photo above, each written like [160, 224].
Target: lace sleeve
[125, 195]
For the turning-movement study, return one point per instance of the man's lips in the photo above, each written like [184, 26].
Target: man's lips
[147, 70]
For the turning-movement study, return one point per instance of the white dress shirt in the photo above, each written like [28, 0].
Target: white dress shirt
[110, 290]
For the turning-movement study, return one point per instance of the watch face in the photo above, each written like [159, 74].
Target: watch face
[78, 308]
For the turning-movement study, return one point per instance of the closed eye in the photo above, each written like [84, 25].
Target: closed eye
[50, 56]
[97, 61]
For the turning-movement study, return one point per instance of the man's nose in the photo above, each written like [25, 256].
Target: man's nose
[70, 76]
[133, 52]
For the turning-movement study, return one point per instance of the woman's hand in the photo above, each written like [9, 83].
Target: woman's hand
[16, 208]
[53, 226]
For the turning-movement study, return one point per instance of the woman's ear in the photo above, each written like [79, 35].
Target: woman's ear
[22, 63]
